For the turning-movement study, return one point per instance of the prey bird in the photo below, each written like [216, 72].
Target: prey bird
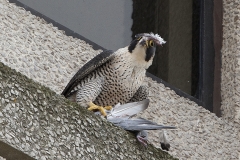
[114, 77]
[139, 126]
[121, 115]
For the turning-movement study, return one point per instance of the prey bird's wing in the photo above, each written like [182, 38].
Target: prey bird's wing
[138, 124]
[91, 65]
[129, 109]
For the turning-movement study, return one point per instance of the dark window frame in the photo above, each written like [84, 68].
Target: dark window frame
[210, 54]
[206, 55]
[218, 40]
[208, 92]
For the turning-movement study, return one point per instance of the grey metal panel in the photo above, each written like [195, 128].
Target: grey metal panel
[105, 22]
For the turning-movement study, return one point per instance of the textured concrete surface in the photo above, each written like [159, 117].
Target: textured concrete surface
[230, 86]
[45, 125]
[29, 38]
[44, 54]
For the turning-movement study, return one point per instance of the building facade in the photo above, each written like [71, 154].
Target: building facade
[39, 50]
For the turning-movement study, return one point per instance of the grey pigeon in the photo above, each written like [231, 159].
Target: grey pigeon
[121, 115]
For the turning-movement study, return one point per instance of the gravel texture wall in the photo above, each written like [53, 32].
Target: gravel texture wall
[45, 125]
[230, 86]
[46, 55]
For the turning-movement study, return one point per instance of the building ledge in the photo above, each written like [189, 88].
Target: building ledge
[45, 125]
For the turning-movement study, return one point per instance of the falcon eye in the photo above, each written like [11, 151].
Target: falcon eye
[139, 38]
[151, 43]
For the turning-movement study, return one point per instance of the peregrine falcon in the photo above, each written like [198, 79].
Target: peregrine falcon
[114, 77]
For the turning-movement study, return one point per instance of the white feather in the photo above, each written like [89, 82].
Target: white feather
[128, 110]
[158, 37]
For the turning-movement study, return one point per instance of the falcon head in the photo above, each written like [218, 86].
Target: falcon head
[143, 47]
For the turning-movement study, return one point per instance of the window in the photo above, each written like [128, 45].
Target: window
[189, 62]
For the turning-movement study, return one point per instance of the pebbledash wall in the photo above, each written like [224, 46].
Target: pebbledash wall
[230, 82]
[46, 55]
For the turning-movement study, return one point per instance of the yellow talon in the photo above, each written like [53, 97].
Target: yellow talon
[101, 109]
[108, 107]
[92, 106]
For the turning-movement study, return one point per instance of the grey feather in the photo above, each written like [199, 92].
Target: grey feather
[165, 145]
[143, 134]
[128, 110]
[163, 137]
[90, 66]
[142, 137]
[157, 39]
[138, 124]
[121, 114]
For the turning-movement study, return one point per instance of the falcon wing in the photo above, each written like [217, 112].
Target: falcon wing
[94, 63]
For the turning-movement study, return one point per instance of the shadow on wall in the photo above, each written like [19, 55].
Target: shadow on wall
[10, 153]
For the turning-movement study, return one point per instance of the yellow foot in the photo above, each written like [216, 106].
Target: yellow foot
[93, 107]
[108, 107]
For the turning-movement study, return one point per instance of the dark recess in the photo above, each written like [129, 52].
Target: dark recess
[206, 46]
[147, 17]
[218, 38]
[195, 48]
[206, 65]
[145, 20]
[11, 153]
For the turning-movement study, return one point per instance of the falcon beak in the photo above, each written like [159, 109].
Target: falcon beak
[144, 43]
